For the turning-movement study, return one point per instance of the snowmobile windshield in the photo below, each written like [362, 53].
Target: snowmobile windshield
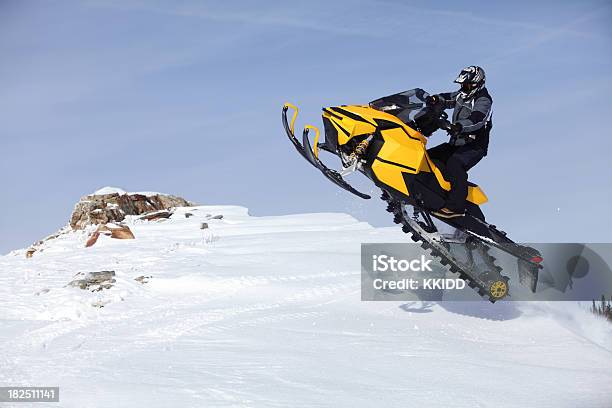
[405, 105]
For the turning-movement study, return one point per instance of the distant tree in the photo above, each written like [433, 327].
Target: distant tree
[603, 308]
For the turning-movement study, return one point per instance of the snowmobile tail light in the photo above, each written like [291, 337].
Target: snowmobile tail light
[537, 259]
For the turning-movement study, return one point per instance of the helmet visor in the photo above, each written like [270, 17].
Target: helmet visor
[464, 76]
[467, 86]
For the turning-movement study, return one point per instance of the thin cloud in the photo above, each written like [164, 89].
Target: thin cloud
[468, 17]
[547, 36]
[267, 18]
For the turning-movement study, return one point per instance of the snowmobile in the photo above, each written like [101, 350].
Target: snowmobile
[386, 141]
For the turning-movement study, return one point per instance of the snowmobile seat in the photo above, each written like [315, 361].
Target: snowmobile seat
[442, 168]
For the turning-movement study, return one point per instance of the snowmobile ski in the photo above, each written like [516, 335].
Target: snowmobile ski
[306, 150]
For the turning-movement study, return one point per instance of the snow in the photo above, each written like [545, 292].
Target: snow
[110, 190]
[266, 312]
[120, 191]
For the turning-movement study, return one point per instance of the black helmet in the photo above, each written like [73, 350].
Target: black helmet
[472, 80]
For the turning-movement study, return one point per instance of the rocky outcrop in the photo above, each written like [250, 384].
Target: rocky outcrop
[107, 208]
[114, 207]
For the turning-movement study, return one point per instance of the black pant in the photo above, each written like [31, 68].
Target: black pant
[458, 160]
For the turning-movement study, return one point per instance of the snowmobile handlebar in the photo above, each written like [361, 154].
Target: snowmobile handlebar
[431, 119]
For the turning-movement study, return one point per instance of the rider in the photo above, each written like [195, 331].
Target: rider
[469, 131]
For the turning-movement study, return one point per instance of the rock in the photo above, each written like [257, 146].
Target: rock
[163, 214]
[217, 217]
[121, 232]
[112, 230]
[187, 215]
[143, 279]
[30, 252]
[95, 281]
[93, 238]
[113, 207]
[204, 225]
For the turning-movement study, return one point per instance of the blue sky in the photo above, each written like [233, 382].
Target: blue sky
[185, 97]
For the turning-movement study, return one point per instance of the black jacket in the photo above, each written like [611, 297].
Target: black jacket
[474, 115]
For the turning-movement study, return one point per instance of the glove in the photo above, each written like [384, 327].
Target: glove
[445, 125]
[432, 100]
[454, 129]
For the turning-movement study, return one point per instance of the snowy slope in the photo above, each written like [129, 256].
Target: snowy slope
[266, 311]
